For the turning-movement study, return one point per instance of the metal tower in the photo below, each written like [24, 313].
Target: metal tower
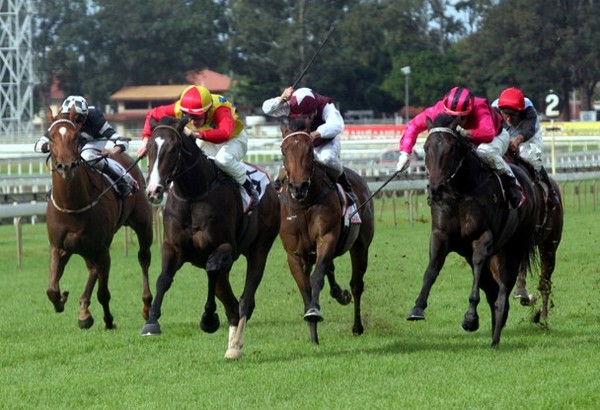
[16, 67]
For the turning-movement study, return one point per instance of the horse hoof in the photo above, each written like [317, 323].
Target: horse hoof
[233, 354]
[416, 314]
[313, 315]
[345, 298]
[151, 329]
[209, 323]
[357, 330]
[86, 323]
[470, 325]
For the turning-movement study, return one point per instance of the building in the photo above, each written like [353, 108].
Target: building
[134, 102]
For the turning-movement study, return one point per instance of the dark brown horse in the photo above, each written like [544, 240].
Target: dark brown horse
[205, 225]
[83, 214]
[313, 230]
[548, 233]
[469, 216]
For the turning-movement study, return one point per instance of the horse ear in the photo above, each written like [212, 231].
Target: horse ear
[49, 115]
[455, 122]
[73, 113]
[428, 122]
[183, 122]
[153, 123]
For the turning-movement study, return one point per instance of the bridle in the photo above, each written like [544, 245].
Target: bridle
[456, 165]
[307, 135]
[176, 172]
[78, 161]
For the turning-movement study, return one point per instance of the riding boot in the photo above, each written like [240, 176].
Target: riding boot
[512, 190]
[553, 199]
[119, 179]
[278, 182]
[249, 187]
[345, 183]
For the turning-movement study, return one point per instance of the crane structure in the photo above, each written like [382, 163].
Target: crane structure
[17, 78]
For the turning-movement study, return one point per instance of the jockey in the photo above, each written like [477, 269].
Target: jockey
[216, 124]
[523, 126]
[95, 133]
[326, 126]
[479, 123]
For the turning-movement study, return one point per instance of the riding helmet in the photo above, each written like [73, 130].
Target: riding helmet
[459, 101]
[195, 100]
[512, 98]
[81, 105]
[303, 103]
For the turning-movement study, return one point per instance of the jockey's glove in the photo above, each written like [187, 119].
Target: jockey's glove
[465, 133]
[403, 161]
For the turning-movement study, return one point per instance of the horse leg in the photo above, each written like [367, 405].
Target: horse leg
[520, 290]
[217, 268]
[86, 320]
[170, 265]
[482, 248]
[300, 269]
[58, 261]
[548, 260]
[317, 281]
[438, 250]
[145, 234]
[101, 269]
[342, 296]
[359, 255]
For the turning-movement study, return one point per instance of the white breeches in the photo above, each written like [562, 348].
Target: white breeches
[491, 153]
[90, 153]
[532, 150]
[329, 155]
[228, 155]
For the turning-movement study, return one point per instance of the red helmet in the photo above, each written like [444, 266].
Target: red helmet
[459, 101]
[303, 103]
[512, 98]
[195, 100]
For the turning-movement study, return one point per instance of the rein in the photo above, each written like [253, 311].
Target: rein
[455, 135]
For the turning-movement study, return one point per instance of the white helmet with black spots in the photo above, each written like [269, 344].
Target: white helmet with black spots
[81, 105]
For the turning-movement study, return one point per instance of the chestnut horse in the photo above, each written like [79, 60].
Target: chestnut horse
[313, 231]
[205, 225]
[548, 233]
[470, 216]
[83, 214]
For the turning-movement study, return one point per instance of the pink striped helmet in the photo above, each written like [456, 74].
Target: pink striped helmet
[458, 101]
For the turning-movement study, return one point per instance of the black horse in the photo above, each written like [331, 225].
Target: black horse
[470, 216]
[205, 225]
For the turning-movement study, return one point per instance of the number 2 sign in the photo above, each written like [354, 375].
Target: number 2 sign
[552, 105]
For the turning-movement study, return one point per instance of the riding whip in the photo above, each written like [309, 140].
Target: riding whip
[314, 56]
[376, 192]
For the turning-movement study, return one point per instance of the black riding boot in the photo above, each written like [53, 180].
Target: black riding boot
[553, 200]
[345, 183]
[249, 187]
[119, 179]
[512, 190]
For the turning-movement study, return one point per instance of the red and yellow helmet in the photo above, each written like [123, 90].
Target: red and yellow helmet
[459, 101]
[195, 100]
[512, 98]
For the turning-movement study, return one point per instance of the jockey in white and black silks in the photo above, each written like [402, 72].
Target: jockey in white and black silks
[95, 134]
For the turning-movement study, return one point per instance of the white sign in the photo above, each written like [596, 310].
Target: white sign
[552, 105]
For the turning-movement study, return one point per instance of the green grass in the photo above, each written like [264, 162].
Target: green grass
[47, 362]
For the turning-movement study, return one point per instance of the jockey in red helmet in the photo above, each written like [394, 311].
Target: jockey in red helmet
[215, 122]
[480, 123]
[326, 126]
[523, 126]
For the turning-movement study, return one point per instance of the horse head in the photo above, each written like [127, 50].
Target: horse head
[299, 163]
[63, 134]
[165, 148]
[445, 151]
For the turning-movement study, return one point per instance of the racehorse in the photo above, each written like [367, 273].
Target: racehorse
[469, 216]
[548, 233]
[313, 231]
[205, 225]
[83, 214]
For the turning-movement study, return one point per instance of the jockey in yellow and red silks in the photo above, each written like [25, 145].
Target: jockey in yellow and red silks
[215, 122]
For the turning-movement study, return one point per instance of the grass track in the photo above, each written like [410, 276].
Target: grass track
[47, 362]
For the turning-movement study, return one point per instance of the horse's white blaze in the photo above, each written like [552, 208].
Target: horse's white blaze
[154, 178]
[62, 131]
